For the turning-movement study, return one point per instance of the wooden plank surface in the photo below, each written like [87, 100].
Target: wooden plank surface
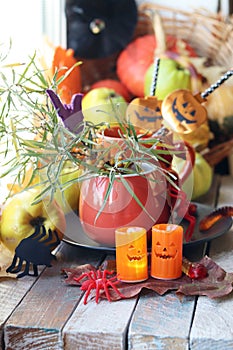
[161, 322]
[99, 326]
[213, 322]
[11, 293]
[12, 290]
[38, 320]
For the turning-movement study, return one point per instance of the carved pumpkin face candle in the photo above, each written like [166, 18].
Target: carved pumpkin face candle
[131, 254]
[166, 253]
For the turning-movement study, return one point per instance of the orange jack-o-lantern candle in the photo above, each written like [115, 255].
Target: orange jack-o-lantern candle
[166, 253]
[145, 113]
[131, 254]
[183, 112]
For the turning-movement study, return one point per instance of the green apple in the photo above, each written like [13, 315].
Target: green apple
[171, 76]
[68, 197]
[103, 105]
[200, 180]
[20, 216]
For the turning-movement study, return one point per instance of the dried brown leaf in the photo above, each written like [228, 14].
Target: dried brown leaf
[75, 272]
[217, 284]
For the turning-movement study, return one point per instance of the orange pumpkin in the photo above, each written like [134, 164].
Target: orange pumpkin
[64, 59]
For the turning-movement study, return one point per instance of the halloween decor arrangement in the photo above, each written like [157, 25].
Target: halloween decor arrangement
[61, 133]
[97, 29]
[125, 186]
[131, 254]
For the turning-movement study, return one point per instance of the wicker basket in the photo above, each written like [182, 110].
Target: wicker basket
[210, 34]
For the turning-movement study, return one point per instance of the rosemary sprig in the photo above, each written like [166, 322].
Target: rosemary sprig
[30, 123]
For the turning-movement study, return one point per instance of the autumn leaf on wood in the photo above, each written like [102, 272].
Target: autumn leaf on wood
[217, 284]
[75, 272]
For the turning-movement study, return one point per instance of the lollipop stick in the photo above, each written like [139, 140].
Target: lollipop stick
[219, 82]
[155, 77]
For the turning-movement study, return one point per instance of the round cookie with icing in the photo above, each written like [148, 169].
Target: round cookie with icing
[145, 112]
[182, 111]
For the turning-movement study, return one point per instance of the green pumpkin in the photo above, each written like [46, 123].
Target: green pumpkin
[200, 180]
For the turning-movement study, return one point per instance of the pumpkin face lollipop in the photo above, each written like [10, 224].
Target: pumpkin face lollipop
[145, 113]
[183, 111]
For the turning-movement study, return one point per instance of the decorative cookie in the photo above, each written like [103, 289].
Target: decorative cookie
[145, 113]
[183, 112]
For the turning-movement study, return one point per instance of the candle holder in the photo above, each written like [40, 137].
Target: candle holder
[167, 249]
[131, 254]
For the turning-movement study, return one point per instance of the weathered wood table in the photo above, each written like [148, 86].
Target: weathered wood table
[45, 313]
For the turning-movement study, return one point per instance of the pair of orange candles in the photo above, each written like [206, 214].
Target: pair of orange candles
[166, 252]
